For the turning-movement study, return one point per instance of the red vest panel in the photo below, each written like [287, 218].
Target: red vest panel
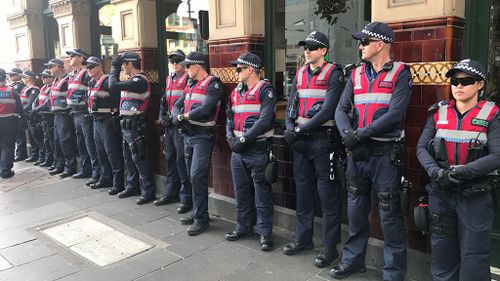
[77, 89]
[175, 89]
[135, 103]
[7, 102]
[44, 94]
[372, 100]
[57, 95]
[25, 96]
[459, 134]
[195, 97]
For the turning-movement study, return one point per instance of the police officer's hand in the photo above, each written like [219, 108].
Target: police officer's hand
[447, 178]
[166, 121]
[290, 136]
[117, 61]
[235, 144]
[350, 139]
[176, 121]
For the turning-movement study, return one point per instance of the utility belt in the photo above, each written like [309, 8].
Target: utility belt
[189, 129]
[483, 185]
[133, 122]
[376, 148]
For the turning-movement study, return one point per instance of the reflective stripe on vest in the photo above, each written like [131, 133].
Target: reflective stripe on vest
[175, 89]
[128, 99]
[57, 97]
[459, 134]
[7, 102]
[370, 97]
[24, 96]
[245, 106]
[97, 93]
[312, 92]
[197, 95]
[76, 85]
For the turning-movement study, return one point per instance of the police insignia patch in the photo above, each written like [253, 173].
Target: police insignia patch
[135, 79]
[270, 94]
[216, 86]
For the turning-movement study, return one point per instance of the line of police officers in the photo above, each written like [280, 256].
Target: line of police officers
[326, 114]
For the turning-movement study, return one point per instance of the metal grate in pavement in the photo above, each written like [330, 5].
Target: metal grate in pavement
[33, 176]
[96, 241]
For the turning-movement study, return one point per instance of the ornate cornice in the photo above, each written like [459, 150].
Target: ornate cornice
[17, 19]
[69, 7]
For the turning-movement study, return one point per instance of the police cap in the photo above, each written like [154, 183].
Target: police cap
[54, 62]
[316, 39]
[15, 71]
[45, 73]
[92, 61]
[468, 66]
[375, 29]
[77, 52]
[248, 58]
[130, 57]
[29, 74]
[194, 58]
[177, 54]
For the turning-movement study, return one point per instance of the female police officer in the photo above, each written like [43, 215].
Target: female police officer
[460, 148]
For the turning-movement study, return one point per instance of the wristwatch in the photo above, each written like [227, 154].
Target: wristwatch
[242, 139]
[180, 117]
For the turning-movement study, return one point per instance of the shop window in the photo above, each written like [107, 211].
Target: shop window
[66, 36]
[21, 45]
[295, 19]
[183, 27]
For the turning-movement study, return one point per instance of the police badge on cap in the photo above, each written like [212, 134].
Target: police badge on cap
[314, 39]
[468, 66]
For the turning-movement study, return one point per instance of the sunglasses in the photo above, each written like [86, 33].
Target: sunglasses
[90, 67]
[311, 48]
[464, 81]
[239, 69]
[366, 42]
[172, 61]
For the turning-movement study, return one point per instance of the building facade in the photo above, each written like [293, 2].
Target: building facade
[430, 36]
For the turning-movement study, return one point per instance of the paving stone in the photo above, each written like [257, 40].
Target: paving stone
[142, 214]
[129, 269]
[13, 237]
[77, 231]
[184, 245]
[26, 252]
[4, 264]
[115, 207]
[212, 264]
[27, 177]
[370, 275]
[278, 266]
[161, 228]
[49, 268]
[92, 200]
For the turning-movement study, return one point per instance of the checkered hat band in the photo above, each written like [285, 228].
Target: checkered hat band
[377, 35]
[247, 63]
[315, 41]
[130, 59]
[93, 61]
[195, 61]
[471, 69]
[175, 53]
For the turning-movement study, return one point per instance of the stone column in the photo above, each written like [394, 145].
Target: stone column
[429, 38]
[27, 29]
[73, 20]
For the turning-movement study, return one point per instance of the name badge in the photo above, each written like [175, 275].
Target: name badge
[385, 84]
[480, 122]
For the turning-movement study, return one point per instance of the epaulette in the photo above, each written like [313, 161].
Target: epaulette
[433, 108]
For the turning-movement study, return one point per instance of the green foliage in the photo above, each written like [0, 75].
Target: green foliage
[330, 9]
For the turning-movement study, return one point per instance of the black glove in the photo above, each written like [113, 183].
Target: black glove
[446, 178]
[291, 136]
[175, 121]
[117, 61]
[350, 139]
[235, 144]
[360, 153]
[166, 121]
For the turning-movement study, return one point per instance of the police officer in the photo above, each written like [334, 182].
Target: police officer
[103, 105]
[134, 102]
[35, 135]
[249, 130]
[11, 111]
[78, 80]
[316, 90]
[15, 82]
[177, 180]
[47, 117]
[64, 129]
[378, 93]
[196, 114]
[460, 150]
